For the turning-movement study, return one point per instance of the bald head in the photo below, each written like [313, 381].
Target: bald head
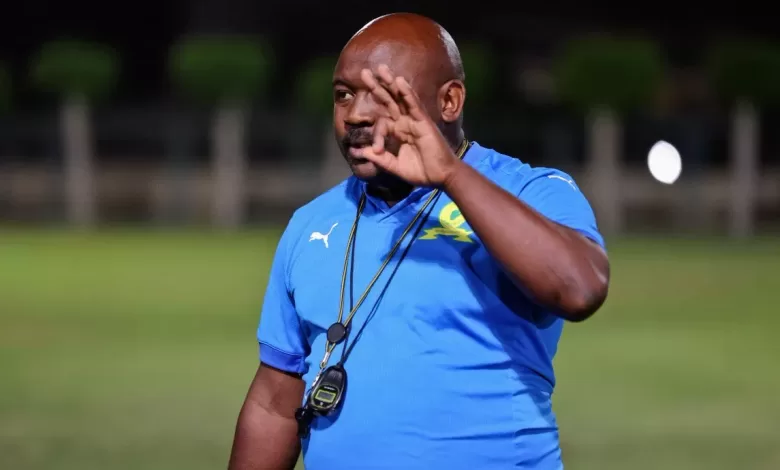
[409, 30]
[414, 47]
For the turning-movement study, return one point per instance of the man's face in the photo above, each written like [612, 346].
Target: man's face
[355, 113]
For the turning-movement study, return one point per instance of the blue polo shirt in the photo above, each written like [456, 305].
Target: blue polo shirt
[454, 369]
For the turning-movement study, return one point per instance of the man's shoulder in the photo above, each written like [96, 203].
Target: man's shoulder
[550, 191]
[516, 174]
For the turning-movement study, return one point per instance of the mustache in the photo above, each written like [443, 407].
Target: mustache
[358, 137]
[364, 137]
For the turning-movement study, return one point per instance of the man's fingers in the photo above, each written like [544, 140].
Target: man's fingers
[388, 81]
[383, 159]
[394, 93]
[381, 130]
[410, 99]
[380, 93]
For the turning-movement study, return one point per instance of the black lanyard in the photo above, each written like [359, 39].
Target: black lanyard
[330, 382]
[338, 331]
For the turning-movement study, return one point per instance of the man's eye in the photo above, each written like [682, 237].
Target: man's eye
[342, 95]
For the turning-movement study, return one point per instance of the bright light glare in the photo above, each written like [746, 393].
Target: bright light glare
[664, 162]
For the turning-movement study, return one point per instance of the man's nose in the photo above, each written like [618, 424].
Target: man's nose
[362, 113]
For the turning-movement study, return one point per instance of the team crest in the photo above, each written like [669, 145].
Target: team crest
[451, 224]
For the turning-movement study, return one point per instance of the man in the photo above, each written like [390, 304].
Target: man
[449, 350]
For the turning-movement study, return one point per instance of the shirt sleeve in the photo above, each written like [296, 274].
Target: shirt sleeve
[555, 195]
[279, 333]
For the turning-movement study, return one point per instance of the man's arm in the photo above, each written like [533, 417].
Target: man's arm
[266, 434]
[556, 266]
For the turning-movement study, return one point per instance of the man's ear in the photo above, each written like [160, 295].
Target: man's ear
[452, 96]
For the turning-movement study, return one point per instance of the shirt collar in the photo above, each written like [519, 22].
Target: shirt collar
[374, 205]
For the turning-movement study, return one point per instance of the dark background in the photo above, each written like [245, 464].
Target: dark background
[142, 31]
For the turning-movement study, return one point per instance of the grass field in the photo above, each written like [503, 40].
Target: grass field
[132, 350]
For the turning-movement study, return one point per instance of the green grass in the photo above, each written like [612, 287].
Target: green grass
[133, 350]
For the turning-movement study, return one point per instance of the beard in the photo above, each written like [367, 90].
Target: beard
[360, 137]
[380, 183]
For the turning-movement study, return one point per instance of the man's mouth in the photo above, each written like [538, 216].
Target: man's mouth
[355, 150]
[356, 153]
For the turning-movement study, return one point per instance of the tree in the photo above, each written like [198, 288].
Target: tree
[313, 96]
[5, 103]
[5, 88]
[479, 64]
[225, 73]
[746, 74]
[80, 73]
[606, 77]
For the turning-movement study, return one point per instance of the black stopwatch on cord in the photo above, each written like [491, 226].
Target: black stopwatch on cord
[330, 383]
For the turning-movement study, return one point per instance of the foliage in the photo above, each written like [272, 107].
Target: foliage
[68, 67]
[479, 63]
[746, 69]
[210, 69]
[5, 88]
[313, 87]
[622, 74]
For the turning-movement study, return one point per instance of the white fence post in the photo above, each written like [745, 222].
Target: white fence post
[744, 169]
[604, 134]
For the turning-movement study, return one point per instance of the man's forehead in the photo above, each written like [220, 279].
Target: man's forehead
[402, 59]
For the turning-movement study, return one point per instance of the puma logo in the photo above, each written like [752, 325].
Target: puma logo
[323, 237]
[571, 182]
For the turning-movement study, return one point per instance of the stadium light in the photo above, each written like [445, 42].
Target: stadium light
[664, 162]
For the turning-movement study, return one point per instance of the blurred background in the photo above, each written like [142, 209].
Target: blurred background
[151, 153]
